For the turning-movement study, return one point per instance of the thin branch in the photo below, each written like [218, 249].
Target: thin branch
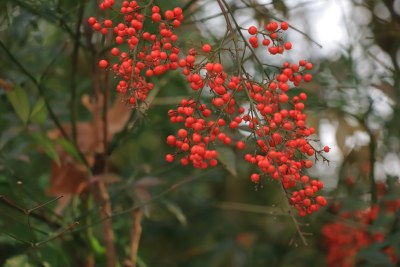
[253, 208]
[136, 234]
[69, 228]
[75, 53]
[43, 204]
[295, 222]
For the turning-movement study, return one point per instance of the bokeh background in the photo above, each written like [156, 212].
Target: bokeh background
[195, 218]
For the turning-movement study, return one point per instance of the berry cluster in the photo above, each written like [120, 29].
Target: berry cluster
[223, 102]
[148, 53]
[276, 122]
[270, 37]
[346, 237]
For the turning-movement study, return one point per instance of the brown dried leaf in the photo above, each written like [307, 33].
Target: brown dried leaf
[67, 178]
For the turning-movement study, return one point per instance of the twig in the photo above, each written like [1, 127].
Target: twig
[70, 227]
[295, 222]
[136, 234]
[252, 208]
[75, 52]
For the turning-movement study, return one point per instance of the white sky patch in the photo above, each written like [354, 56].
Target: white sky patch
[325, 20]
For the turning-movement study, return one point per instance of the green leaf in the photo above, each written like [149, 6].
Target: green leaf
[97, 248]
[228, 159]
[39, 111]
[47, 145]
[20, 260]
[69, 148]
[176, 210]
[20, 102]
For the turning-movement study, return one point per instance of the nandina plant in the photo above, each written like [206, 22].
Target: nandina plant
[224, 99]
[259, 114]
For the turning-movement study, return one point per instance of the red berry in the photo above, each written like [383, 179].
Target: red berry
[169, 158]
[240, 145]
[115, 51]
[92, 20]
[107, 23]
[307, 77]
[206, 48]
[103, 63]
[156, 17]
[169, 14]
[288, 45]
[255, 178]
[284, 25]
[326, 149]
[252, 30]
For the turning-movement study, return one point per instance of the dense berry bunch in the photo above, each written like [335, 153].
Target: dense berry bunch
[222, 102]
[275, 122]
[346, 237]
[140, 53]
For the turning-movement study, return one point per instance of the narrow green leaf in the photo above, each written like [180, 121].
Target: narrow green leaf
[228, 159]
[19, 101]
[47, 145]
[69, 148]
[39, 111]
[177, 211]
[97, 248]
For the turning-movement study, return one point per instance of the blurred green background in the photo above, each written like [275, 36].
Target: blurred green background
[217, 217]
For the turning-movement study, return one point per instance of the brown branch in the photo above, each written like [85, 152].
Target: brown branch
[136, 234]
[75, 53]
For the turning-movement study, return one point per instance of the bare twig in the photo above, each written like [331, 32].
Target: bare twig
[75, 52]
[136, 233]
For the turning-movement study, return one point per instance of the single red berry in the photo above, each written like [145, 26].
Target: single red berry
[255, 178]
[284, 25]
[108, 23]
[92, 20]
[115, 51]
[206, 48]
[103, 63]
[240, 145]
[169, 158]
[169, 14]
[252, 30]
[326, 149]
[156, 17]
[307, 77]
[288, 45]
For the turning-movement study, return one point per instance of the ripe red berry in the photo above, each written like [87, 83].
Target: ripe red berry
[115, 51]
[252, 30]
[307, 77]
[206, 48]
[288, 45]
[255, 178]
[169, 158]
[284, 25]
[108, 23]
[92, 20]
[156, 17]
[326, 149]
[169, 14]
[240, 145]
[103, 63]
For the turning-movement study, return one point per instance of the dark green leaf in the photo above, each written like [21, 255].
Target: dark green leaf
[20, 102]
[47, 145]
[39, 111]
[228, 159]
